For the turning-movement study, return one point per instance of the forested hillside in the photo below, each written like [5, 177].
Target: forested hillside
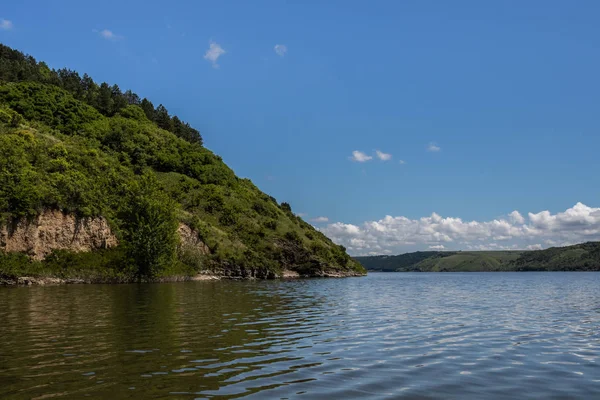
[91, 150]
[580, 257]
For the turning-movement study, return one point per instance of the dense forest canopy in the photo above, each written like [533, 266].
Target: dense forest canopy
[105, 98]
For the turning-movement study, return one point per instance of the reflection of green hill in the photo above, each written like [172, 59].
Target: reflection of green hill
[581, 257]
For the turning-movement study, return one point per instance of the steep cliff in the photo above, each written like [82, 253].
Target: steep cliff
[53, 230]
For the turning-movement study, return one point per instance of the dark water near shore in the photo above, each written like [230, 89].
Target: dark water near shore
[463, 335]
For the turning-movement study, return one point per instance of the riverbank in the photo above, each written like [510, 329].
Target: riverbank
[8, 280]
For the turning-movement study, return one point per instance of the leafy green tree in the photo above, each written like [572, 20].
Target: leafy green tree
[150, 226]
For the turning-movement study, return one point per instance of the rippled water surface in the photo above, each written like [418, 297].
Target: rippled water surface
[461, 335]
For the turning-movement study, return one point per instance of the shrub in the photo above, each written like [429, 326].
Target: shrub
[271, 224]
[293, 236]
[228, 217]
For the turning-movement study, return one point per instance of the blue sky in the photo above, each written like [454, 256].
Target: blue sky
[508, 92]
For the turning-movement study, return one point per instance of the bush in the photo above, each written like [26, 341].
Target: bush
[228, 217]
[271, 224]
[293, 236]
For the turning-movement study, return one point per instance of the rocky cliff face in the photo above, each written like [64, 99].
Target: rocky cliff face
[189, 240]
[54, 230]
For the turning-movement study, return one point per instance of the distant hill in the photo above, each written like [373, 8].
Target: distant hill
[403, 262]
[580, 257]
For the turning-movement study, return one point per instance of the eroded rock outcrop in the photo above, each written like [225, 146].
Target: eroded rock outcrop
[189, 240]
[54, 230]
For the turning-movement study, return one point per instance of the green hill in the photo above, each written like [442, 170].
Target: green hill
[467, 261]
[404, 262]
[581, 257]
[92, 151]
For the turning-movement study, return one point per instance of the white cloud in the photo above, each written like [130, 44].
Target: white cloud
[359, 156]
[516, 217]
[383, 156]
[302, 214]
[437, 247]
[320, 219]
[108, 34]
[6, 24]
[342, 230]
[213, 53]
[577, 224]
[280, 49]
[433, 147]
[536, 246]
[402, 162]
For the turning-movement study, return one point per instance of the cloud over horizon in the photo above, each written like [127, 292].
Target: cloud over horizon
[320, 219]
[213, 53]
[395, 235]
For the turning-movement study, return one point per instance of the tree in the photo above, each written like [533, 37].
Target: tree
[162, 118]
[178, 127]
[71, 81]
[192, 135]
[132, 98]
[150, 229]
[90, 90]
[105, 101]
[119, 101]
[148, 108]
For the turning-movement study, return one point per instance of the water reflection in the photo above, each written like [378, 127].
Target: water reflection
[387, 335]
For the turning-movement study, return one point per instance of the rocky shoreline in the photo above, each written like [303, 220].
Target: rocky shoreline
[50, 280]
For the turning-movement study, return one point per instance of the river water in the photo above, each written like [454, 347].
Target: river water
[402, 335]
